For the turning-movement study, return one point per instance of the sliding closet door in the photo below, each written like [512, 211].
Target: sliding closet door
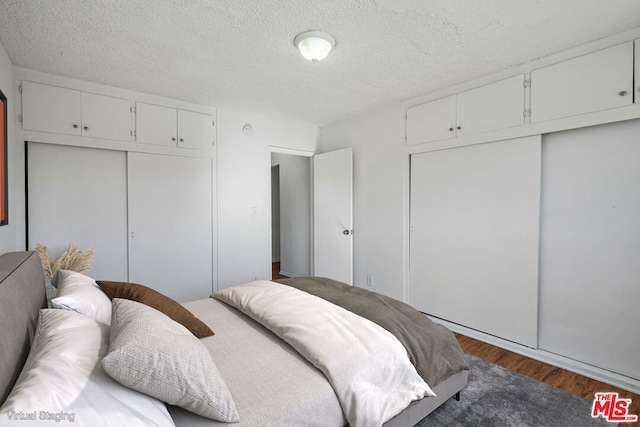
[170, 224]
[590, 246]
[474, 236]
[79, 195]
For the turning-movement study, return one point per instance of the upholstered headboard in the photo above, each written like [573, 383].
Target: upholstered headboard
[22, 295]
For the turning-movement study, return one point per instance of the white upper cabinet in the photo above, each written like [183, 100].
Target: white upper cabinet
[494, 106]
[156, 124]
[160, 125]
[55, 109]
[195, 130]
[598, 81]
[432, 121]
[106, 117]
[51, 109]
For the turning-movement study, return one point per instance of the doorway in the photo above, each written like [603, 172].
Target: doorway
[290, 215]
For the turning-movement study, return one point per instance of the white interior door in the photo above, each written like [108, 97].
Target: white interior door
[170, 225]
[333, 215]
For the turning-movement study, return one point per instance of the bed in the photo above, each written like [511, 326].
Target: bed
[259, 375]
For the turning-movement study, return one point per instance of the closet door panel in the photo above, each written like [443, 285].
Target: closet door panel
[79, 195]
[170, 224]
[474, 236]
[590, 246]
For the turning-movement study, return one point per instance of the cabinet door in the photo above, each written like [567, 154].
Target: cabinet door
[474, 236]
[156, 124]
[593, 82]
[195, 130]
[494, 106]
[50, 109]
[170, 224]
[106, 117]
[433, 121]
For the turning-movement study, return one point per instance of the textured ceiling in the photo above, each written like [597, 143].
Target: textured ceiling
[239, 54]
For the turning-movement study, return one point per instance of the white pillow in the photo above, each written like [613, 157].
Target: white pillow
[80, 293]
[63, 380]
[156, 355]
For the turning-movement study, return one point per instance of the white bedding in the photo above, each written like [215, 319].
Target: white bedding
[367, 366]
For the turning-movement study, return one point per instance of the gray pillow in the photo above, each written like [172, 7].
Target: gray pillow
[151, 353]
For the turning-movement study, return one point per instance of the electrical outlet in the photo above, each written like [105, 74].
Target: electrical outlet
[370, 281]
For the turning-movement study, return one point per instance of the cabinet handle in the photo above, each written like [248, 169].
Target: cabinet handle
[181, 139]
[75, 126]
[622, 93]
[173, 139]
[459, 127]
[86, 128]
[450, 129]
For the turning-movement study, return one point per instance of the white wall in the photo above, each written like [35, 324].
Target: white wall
[12, 235]
[244, 190]
[295, 214]
[380, 167]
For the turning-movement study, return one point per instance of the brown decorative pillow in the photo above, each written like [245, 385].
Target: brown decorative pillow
[162, 303]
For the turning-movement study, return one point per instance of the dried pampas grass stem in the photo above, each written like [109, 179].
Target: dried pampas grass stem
[71, 259]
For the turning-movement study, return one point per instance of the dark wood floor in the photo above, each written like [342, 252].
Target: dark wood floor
[556, 377]
[275, 271]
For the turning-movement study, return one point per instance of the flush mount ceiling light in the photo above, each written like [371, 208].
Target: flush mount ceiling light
[314, 45]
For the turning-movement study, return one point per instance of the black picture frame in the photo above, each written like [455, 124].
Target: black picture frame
[4, 177]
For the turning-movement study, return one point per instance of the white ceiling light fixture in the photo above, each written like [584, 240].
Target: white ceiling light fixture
[314, 45]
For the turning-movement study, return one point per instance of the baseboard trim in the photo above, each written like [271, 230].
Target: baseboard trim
[581, 368]
[285, 273]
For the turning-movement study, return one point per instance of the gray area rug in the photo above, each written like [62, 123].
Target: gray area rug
[498, 397]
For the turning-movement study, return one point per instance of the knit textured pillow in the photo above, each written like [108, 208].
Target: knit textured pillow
[157, 356]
